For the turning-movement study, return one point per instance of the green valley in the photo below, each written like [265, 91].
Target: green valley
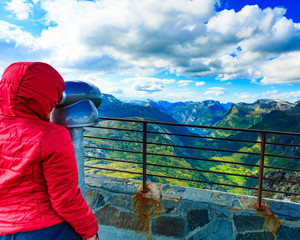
[263, 114]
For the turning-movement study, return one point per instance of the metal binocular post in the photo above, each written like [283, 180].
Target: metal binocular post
[77, 109]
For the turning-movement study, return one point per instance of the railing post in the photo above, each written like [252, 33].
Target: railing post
[145, 157]
[261, 170]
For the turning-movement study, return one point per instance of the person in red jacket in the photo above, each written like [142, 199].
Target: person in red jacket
[39, 196]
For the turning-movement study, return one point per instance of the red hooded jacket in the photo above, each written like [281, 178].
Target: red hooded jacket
[38, 172]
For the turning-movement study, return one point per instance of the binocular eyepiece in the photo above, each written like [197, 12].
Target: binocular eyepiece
[76, 91]
[78, 105]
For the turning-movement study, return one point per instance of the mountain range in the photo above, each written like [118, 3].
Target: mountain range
[207, 113]
[266, 114]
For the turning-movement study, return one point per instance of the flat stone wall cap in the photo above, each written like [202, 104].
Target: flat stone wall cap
[225, 199]
[172, 193]
[94, 180]
[284, 209]
[197, 195]
[247, 202]
[117, 187]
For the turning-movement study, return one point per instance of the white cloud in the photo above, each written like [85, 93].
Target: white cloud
[141, 38]
[115, 90]
[21, 8]
[147, 84]
[201, 83]
[217, 91]
[216, 88]
[292, 96]
[184, 83]
[270, 92]
[132, 35]
[243, 95]
[284, 69]
[16, 44]
[247, 95]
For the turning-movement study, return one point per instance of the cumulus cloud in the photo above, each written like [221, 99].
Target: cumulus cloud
[270, 92]
[11, 33]
[17, 45]
[136, 34]
[293, 96]
[284, 69]
[242, 95]
[184, 83]
[147, 84]
[21, 8]
[141, 38]
[115, 90]
[217, 91]
[201, 83]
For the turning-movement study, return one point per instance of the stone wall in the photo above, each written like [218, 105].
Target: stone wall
[172, 212]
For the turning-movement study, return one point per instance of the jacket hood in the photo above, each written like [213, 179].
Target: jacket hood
[30, 89]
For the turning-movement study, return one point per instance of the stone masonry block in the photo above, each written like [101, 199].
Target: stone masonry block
[168, 226]
[111, 216]
[219, 228]
[125, 202]
[91, 198]
[99, 202]
[117, 187]
[226, 200]
[284, 233]
[285, 210]
[248, 223]
[255, 236]
[197, 218]
[197, 195]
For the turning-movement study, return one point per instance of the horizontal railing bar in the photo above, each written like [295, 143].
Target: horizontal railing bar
[281, 180]
[192, 180]
[114, 170]
[111, 149]
[202, 126]
[122, 119]
[119, 129]
[286, 169]
[111, 159]
[113, 139]
[288, 157]
[202, 159]
[196, 148]
[283, 144]
[199, 148]
[197, 136]
[200, 170]
[274, 191]
[230, 139]
[200, 181]
[176, 134]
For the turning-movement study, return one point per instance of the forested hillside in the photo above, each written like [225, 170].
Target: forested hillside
[263, 114]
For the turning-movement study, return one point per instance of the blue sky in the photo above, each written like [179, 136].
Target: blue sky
[174, 50]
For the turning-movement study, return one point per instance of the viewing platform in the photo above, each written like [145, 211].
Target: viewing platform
[144, 187]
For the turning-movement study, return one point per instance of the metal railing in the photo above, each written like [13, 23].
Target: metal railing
[204, 153]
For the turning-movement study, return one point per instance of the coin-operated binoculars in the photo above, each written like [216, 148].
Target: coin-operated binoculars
[77, 109]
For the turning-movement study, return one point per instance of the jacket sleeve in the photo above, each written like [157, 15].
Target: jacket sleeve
[60, 172]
